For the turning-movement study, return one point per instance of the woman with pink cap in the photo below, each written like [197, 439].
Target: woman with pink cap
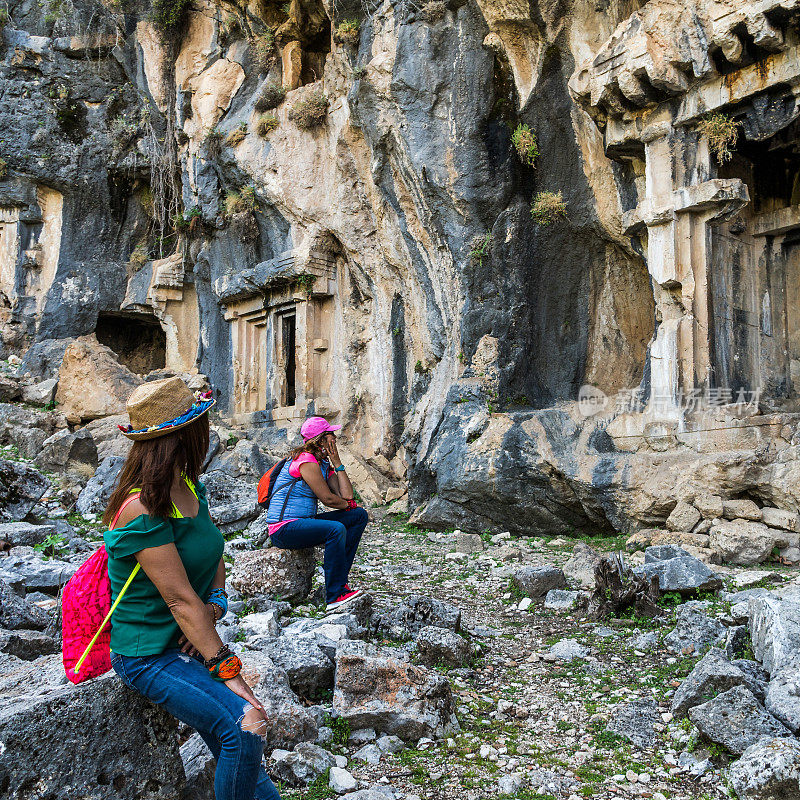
[315, 472]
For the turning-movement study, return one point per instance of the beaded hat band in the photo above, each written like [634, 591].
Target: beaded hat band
[162, 407]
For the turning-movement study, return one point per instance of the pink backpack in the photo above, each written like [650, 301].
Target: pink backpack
[86, 613]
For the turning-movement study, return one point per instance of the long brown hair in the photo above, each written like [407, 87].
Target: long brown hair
[313, 446]
[151, 467]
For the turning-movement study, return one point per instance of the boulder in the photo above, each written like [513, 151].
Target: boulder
[35, 573]
[25, 533]
[775, 631]
[309, 670]
[199, 766]
[302, 766]
[782, 699]
[341, 781]
[16, 613]
[709, 505]
[282, 574]
[742, 542]
[695, 631]
[736, 720]
[741, 509]
[469, 543]
[568, 650]
[376, 689]
[579, 570]
[40, 394]
[258, 531]
[21, 487]
[91, 381]
[677, 570]
[682, 539]
[66, 742]
[97, 492]
[10, 389]
[107, 436]
[232, 503]
[683, 517]
[416, 612]
[244, 461]
[441, 646]
[778, 518]
[635, 721]
[28, 645]
[69, 452]
[538, 581]
[43, 359]
[290, 721]
[711, 676]
[768, 770]
[757, 676]
[561, 600]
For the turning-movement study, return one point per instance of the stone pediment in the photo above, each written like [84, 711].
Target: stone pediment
[668, 46]
[280, 271]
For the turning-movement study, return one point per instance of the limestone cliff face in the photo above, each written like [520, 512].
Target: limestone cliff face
[138, 190]
[331, 217]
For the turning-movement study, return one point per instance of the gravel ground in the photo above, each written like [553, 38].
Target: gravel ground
[521, 712]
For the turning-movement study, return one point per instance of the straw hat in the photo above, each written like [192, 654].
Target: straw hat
[161, 407]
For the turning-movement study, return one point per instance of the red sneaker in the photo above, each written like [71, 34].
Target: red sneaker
[349, 594]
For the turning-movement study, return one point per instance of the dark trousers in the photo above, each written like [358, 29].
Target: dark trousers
[339, 531]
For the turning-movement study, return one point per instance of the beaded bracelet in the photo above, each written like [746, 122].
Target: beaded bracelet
[228, 668]
[219, 598]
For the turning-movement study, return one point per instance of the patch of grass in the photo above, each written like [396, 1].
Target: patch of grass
[264, 49]
[310, 112]
[481, 246]
[524, 141]
[548, 206]
[722, 133]
[348, 31]
[243, 200]
[434, 11]
[237, 135]
[340, 727]
[271, 96]
[266, 124]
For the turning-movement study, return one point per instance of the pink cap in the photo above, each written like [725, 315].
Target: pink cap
[314, 426]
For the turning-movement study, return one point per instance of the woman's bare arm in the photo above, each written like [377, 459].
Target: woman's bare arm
[313, 477]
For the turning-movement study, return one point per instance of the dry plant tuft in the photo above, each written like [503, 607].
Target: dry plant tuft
[722, 133]
[311, 111]
[547, 206]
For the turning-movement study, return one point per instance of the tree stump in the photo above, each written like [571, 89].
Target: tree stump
[618, 588]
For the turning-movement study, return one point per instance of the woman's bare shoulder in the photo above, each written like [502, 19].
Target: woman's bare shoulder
[135, 508]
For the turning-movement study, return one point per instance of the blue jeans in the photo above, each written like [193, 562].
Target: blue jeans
[340, 531]
[184, 687]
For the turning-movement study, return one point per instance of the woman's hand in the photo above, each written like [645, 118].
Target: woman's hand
[239, 686]
[332, 450]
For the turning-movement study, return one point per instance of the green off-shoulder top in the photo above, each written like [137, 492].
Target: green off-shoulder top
[142, 624]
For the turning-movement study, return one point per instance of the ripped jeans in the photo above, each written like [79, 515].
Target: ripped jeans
[184, 687]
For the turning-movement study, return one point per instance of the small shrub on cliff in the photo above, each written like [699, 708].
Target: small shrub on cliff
[4, 18]
[311, 111]
[139, 256]
[271, 96]
[547, 206]
[213, 143]
[238, 202]
[722, 133]
[434, 11]
[359, 73]
[480, 248]
[266, 124]
[187, 222]
[347, 31]
[524, 141]
[167, 15]
[237, 135]
[3, 168]
[264, 49]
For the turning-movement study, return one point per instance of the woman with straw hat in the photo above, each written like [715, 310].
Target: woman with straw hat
[164, 641]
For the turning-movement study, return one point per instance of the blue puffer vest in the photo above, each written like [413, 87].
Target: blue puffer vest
[302, 502]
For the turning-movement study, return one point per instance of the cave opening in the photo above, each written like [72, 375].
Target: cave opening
[138, 340]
